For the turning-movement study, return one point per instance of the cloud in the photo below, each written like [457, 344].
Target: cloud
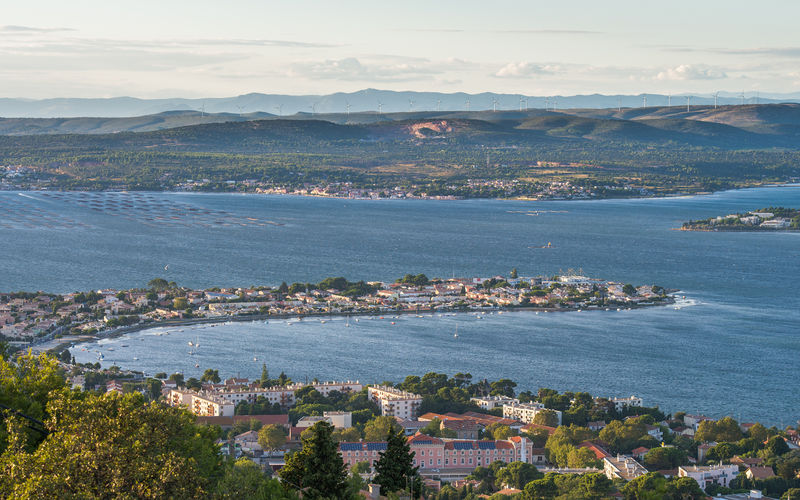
[525, 69]
[353, 69]
[691, 72]
[11, 28]
[508, 32]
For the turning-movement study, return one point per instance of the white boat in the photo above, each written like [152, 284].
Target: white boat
[455, 335]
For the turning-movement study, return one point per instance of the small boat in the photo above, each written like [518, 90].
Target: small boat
[197, 365]
[455, 335]
[392, 322]
[191, 343]
[255, 358]
[136, 359]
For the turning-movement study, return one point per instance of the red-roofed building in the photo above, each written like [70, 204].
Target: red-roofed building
[598, 451]
[639, 452]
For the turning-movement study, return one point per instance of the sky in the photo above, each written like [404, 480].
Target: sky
[220, 48]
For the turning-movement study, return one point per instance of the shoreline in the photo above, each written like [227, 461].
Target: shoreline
[118, 332]
[789, 183]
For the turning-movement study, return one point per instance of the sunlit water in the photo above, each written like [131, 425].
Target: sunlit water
[731, 348]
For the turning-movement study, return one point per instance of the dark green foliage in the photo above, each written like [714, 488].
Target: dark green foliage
[655, 486]
[317, 468]
[395, 469]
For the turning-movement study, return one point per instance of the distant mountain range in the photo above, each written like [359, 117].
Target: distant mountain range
[728, 127]
[368, 100]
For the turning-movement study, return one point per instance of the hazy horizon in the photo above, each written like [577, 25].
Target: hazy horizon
[203, 49]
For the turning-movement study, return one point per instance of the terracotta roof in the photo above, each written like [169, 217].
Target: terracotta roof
[761, 472]
[530, 427]
[264, 419]
[599, 452]
[640, 450]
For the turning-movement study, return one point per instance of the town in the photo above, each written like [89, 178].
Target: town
[469, 438]
[37, 318]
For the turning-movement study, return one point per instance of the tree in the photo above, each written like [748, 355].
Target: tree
[513, 274]
[25, 386]
[655, 486]
[724, 430]
[317, 468]
[665, 458]
[244, 479]
[394, 469]
[379, 427]
[629, 289]
[211, 376]
[581, 457]
[180, 303]
[113, 446]
[158, 284]
[758, 432]
[177, 378]
[503, 387]
[546, 417]
[271, 437]
[345, 435]
[283, 288]
[497, 431]
[194, 384]
[517, 475]
[777, 446]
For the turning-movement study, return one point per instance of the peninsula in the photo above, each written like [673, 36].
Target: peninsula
[765, 219]
[33, 318]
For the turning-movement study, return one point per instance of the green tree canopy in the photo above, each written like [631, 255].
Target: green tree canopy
[317, 469]
[378, 428]
[395, 466]
[517, 475]
[113, 446]
[158, 284]
[271, 437]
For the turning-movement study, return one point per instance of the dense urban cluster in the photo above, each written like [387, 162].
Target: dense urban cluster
[434, 436]
[35, 316]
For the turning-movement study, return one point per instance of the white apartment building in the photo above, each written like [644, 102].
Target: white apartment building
[492, 402]
[201, 404]
[709, 474]
[525, 412]
[395, 402]
[622, 467]
[623, 403]
[339, 419]
[284, 396]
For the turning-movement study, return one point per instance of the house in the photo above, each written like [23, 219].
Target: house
[526, 412]
[622, 467]
[639, 452]
[702, 450]
[597, 425]
[395, 402]
[464, 429]
[759, 473]
[248, 441]
[710, 474]
[747, 462]
[492, 402]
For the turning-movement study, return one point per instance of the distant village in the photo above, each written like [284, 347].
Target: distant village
[27, 317]
[765, 219]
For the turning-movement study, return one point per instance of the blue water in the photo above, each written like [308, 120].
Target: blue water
[732, 348]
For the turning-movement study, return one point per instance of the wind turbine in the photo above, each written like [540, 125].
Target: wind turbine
[716, 95]
[619, 104]
[347, 107]
[203, 110]
[669, 100]
[494, 105]
[313, 108]
[466, 104]
[688, 100]
[520, 103]
[546, 103]
[438, 105]
[644, 101]
[279, 107]
[240, 108]
[380, 107]
[742, 95]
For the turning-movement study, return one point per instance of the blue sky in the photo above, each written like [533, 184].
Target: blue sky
[177, 48]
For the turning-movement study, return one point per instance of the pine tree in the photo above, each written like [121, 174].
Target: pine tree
[395, 469]
[317, 469]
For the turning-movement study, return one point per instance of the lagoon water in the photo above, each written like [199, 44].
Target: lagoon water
[732, 347]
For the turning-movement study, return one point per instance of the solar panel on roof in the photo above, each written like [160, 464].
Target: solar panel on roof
[350, 446]
[487, 445]
[376, 446]
[423, 441]
[461, 445]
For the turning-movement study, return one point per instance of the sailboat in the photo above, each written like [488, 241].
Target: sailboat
[347, 323]
[455, 335]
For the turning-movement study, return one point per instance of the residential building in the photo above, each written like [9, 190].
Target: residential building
[759, 473]
[525, 412]
[202, 404]
[339, 419]
[395, 402]
[622, 404]
[436, 454]
[492, 402]
[622, 467]
[710, 474]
